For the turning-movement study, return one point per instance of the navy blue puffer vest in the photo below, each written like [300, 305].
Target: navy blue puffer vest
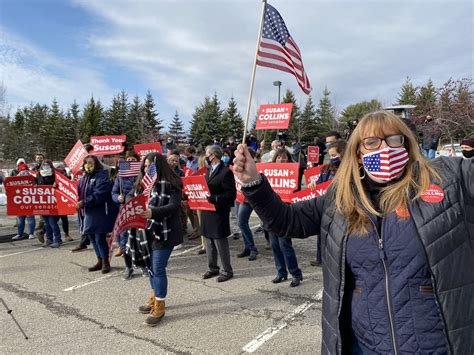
[392, 300]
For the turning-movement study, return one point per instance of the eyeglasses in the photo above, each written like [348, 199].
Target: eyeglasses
[373, 143]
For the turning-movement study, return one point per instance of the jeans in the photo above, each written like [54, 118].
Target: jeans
[243, 212]
[51, 228]
[284, 256]
[429, 153]
[158, 278]
[99, 243]
[21, 224]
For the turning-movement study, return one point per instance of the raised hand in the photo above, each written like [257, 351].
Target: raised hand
[244, 165]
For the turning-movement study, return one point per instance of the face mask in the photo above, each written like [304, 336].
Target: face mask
[39, 161]
[336, 162]
[468, 153]
[46, 171]
[89, 168]
[207, 162]
[225, 160]
[190, 158]
[385, 164]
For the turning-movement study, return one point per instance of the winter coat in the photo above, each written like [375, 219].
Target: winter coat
[99, 211]
[429, 258]
[127, 185]
[221, 183]
[45, 180]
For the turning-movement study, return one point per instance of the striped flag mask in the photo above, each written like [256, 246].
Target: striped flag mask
[385, 164]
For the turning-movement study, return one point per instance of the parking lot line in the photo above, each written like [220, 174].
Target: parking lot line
[72, 288]
[29, 251]
[263, 337]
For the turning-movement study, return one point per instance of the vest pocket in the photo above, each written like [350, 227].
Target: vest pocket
[360, 319]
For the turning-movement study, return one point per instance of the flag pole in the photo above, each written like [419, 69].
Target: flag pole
[253, 73]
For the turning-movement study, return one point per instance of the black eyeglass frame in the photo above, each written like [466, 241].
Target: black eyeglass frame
[384, 139]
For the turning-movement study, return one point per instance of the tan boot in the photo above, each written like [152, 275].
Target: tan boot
[118, 252]
[157, 314]
[150, 302]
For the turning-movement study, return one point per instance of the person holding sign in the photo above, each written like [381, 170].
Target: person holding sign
[46, 176]
[397, 233]
[96, 209]
[215, 225]
[163, 231]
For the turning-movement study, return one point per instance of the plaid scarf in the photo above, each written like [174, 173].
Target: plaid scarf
[138, 244]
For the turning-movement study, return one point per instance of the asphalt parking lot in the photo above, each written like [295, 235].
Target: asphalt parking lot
[63, 308]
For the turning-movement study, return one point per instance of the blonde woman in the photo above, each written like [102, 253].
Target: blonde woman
[398, 243]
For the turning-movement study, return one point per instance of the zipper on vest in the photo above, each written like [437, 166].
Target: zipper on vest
[383, 258]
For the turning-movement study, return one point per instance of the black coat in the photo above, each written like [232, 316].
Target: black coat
[445, 230]
[221, 183]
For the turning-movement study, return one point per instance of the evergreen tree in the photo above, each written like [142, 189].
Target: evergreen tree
[309, 124]
[91, 120]
[407, 94]
[232, 124]
[152, 124]
[135, 125]
[74, 119]
[325, 113]
[36, 117]
[53, 131]
[115, 120]
[205, 125]
[356, 111]
[295, 129]
[176, 129]
[426, 99]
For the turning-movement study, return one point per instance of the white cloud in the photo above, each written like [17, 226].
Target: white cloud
[31, 74]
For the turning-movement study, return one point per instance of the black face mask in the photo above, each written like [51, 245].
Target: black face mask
[468, 153]
[190, 158]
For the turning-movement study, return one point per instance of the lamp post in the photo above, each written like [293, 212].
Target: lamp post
[277, 83]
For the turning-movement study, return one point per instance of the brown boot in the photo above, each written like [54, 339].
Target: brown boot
[97, 266]
[157, 314]
[106, 266]
[150, 302]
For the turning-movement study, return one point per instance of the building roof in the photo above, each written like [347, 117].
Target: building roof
[399, 107]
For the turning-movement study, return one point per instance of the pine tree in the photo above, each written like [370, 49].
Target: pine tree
[232, 124]
[356, 111]
[53, 131]
[407, 95]
[152, 124]
[135, 125]
[36, 116]
[426, 99]
[91, 120]
[205, 125]
[325, 113]
[310, 129]
[295, 129]
[74, 118]
[176, 129]
[115, 121]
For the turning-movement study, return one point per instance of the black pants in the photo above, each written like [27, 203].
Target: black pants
[65, 224]
[221, 247]
[84, 241]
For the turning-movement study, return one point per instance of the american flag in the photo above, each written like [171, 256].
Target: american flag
[278, 50]
[386, 163]
[129, 169]
[149, 179]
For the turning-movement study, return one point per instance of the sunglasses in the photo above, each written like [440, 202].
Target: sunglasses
[373, 143]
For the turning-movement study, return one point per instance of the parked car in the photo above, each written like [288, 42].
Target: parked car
[447, 149]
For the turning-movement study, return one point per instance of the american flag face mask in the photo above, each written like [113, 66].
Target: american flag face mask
[385, 164]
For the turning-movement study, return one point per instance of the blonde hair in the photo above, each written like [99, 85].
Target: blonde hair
[350, 197]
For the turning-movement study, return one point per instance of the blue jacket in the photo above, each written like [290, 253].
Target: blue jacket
[127, 184]
[99, 212]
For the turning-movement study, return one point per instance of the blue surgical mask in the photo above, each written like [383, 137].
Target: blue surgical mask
[336, 162]
[225, 159]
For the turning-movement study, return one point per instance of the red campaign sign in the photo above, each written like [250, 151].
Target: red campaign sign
[19, 181]
[195, 187]
[129, 215]
[76, 156]
[37, 201]
[311, 175]
[274, 116]
[283, 177]
[313, 154]
[322, 188]
[107, 145]
[202, 171]
[77, 176]
[66, 188]
[145, 148]
[240, 198]
[187, 171]
[303, 195]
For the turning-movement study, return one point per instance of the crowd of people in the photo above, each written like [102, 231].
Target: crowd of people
[387, 250]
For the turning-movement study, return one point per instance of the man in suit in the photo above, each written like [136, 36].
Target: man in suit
[215, 226]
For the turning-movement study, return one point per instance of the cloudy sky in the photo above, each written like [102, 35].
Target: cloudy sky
[185, 50]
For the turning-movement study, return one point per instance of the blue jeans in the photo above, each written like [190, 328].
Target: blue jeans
[51, 228]
[99, 243]
[243, 212]
[429, 153]
[21, 224]
[284, 256]
[123, 240]
[158, 278]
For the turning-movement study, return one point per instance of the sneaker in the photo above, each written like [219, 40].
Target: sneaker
[17, 237]
[55, 245]
[68, 238]
[127, 274]
[47, 243]
[253, 255]
[31, 236]
[144, 272]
